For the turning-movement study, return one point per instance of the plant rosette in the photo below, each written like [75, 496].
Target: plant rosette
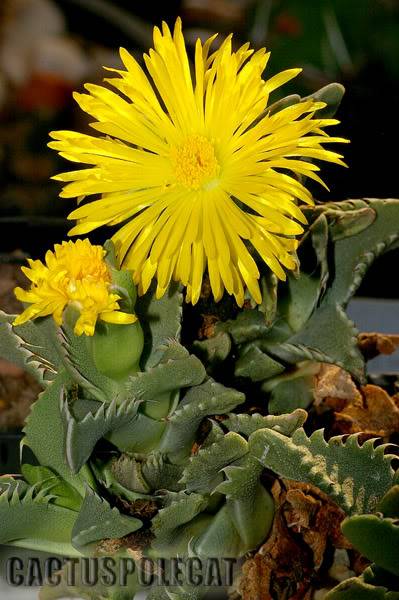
[162, 424]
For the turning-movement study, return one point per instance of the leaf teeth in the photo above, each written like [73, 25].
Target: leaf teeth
[247, 424]
[179, 509]
[25, 495]
[355, 476]
[163, 319]
[208, 399]
[177, 369]
[80, 365]
[241, 480]
[97, 520]
[30, 347]
[204, 468]
[82, 435]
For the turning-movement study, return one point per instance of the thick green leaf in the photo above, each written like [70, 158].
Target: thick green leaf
[204, 400]
[30, 519]
[143, 434]
[355, 477]
[247, 424]
[160, 474]
[375, 575]
[103, 589]
[219, 537]
[283, 103]
[79, 363]
[255, 364]
[269, 288]
[8, 483]
[389, 504]
[64, 494]
[291, 394]
[158, 390]
[352, 255]
[247, 326]
[177, 369]
[376, 538]
[175, 523]
[331, 94]
[44, 433]
[344, 224]
[299, 297]
[116, 350]
[81, 436]
[31, 346]
[144, 474]
[203, 472]
[374, 583]
[328, 336]
[250, 506]
[356, 589]
[108, 477]
[98, 521]
[213, 350]
[161, 321]
[244, 521]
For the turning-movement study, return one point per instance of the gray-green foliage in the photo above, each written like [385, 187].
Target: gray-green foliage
[278, 345]
[354, 476]
[31, 347]
[31, 519]
[98, 521]
[190, 433]
[376, 536]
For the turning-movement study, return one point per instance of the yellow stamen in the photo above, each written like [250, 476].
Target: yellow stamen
[194, 168]
[74, 274]
[194, 162]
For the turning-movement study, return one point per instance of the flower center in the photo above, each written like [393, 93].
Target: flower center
[194, 162]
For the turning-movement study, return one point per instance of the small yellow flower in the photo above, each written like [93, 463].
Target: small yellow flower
[75, 273]
[196, 169]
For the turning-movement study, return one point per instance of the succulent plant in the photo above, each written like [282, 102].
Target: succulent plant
[152, 438]
[376, 536]
[168, 459]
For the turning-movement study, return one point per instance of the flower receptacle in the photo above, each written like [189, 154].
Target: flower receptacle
[117, 349]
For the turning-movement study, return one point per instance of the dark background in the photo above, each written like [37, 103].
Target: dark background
[48, 48]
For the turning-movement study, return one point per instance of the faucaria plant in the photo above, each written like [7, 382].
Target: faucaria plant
[376, 536]
[150, 439]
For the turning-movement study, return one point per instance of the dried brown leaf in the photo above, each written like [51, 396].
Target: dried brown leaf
[374, 413]
[373, 344]
[306, 524]
[334, 388]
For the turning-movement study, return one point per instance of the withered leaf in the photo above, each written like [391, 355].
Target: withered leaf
[373, 413]
[373, 344]
[306, 524]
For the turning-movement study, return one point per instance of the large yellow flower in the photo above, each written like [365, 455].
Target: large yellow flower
[75, 273]
[199, 175]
